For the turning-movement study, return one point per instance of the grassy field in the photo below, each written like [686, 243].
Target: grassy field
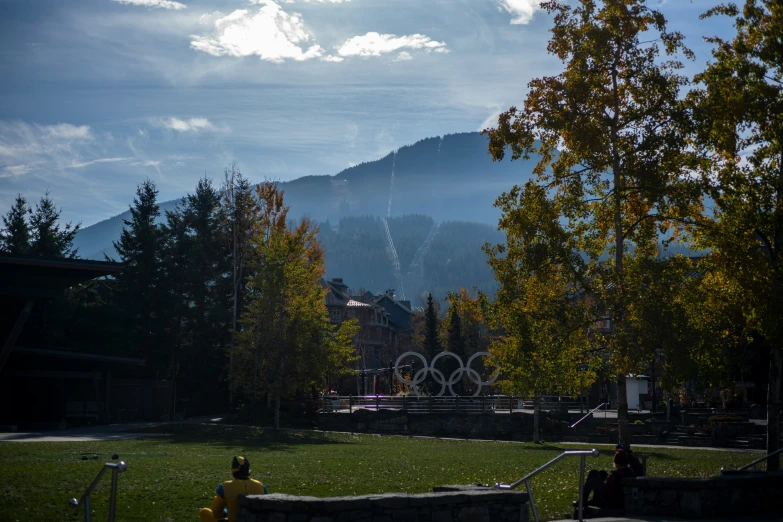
[169, 478]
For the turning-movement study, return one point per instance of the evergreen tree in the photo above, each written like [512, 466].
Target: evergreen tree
[431, 341]
[456, 342]
[139, 295]
[47, 238]
[15, 237]
[206, 293]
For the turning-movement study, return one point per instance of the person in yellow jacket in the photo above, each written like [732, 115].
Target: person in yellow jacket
[226, 501]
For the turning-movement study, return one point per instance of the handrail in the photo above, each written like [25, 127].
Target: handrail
[582, 454]
[589, 413]
[757, 461]
[116, 468]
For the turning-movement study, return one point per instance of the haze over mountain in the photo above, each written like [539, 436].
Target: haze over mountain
[448, 179]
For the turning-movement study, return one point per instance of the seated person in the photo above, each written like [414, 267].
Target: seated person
[612, 490]
[226, 501]
[607, 488]
[633, 462]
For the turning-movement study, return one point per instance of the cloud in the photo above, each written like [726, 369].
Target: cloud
[375, 44]
[156, 4]
[315, 1]
[189, 125]
[403, 56]
[25, 147]
[521, 10]
[96, 161]
[271, 34]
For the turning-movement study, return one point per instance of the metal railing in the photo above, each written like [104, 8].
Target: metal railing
[589, 413]
[430, 404]
[116, 469]
[755, 463]
[582, 454]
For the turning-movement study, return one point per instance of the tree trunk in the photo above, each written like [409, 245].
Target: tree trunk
[623, 433]
[536, 415]
[773, 407]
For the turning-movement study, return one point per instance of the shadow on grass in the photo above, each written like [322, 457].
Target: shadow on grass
[246, 436]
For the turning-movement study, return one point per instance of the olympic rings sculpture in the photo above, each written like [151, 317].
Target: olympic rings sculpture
[438, 376]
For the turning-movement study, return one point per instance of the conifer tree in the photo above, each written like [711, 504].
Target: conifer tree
[15, 237]
[431, 341]
[139, 293]
[46, 237]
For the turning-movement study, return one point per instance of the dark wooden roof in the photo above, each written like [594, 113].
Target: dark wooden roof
[42, 277]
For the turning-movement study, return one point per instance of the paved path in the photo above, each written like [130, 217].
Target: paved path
[86, 434]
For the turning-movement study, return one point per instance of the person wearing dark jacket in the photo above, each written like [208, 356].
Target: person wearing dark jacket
[612, 491]
[633, 462]
[607, 488]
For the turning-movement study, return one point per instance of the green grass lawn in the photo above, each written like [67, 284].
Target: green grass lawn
[170, 478]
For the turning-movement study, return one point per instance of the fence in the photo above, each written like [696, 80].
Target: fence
[483, 404]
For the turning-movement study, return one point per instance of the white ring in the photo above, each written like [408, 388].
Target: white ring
[421, 375]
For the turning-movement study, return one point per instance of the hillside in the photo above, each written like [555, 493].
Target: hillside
[357, 250]
[449, 179]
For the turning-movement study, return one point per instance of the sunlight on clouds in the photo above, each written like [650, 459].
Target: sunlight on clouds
[189, 125]
[271, 34]
[315, 1]
[521, 10]
[157, 4]
[374, 44]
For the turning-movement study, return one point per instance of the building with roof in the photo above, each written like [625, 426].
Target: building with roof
[384, 323]
[44, 386]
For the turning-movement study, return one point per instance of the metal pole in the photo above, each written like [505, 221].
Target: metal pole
[581, 487]
[87, 508]
[113, 499]
[532, 502]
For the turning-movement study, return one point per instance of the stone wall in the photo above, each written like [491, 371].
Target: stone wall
[506, 426]
[454, 504]
[728, 495]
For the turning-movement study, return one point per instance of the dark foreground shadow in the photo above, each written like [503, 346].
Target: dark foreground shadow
[245, 436]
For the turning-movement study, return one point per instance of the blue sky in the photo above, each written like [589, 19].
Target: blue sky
[97, 95]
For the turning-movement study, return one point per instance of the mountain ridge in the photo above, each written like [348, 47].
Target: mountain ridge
[449, 178]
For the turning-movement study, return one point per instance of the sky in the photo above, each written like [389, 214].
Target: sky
[98, 95]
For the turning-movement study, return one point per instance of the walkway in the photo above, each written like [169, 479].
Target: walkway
[86, 434]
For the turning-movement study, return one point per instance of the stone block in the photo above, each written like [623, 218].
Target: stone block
[473, 514]
[667, 498]
[419, 501]
[690, 504]
[405, 514]
[390, 500]
[443, 515]
[339, 504]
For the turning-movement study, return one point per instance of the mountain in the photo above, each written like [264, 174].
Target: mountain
[448, 179]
